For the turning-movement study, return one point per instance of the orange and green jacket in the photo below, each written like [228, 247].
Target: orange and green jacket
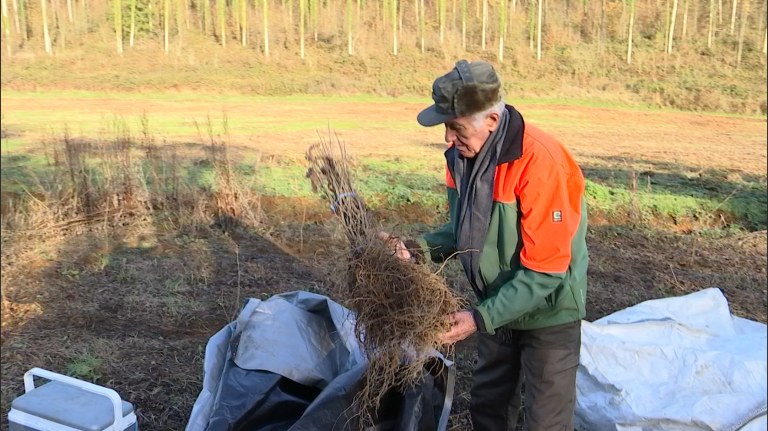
[534, 261]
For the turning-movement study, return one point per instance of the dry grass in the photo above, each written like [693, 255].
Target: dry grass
[401, 306]
[120, 176]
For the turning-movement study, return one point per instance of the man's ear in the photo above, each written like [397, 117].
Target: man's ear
[492, 121]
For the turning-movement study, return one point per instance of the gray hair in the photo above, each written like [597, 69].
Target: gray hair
[478, 118]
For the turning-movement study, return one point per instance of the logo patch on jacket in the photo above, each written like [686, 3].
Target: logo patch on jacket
[557, 216]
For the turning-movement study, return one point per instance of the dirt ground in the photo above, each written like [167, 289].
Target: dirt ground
[132, 306]
[382, 128]
[147, 317]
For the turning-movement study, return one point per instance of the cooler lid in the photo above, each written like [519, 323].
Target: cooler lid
[70, 406]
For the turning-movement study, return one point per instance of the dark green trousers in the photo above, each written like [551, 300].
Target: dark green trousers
[547, 358]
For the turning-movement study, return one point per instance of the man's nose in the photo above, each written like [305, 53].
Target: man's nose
[450, 136]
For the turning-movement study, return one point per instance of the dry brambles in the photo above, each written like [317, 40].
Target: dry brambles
[401, 306]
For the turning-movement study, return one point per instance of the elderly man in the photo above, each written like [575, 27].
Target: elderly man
[518, 217]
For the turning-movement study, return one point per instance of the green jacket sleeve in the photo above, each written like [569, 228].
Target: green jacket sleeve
[440, 244]
[528, 290]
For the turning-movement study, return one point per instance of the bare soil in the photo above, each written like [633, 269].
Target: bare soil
[148, 313]
[596, 136]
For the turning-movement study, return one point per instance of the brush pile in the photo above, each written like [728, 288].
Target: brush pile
[401, 305]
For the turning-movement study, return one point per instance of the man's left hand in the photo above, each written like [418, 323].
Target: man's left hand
[462, 326]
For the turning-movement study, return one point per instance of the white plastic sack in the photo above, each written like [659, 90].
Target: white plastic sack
[673, 364]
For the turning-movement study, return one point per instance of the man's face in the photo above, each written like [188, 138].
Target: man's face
[467, 136]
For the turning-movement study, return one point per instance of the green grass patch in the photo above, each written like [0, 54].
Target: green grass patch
[12, 144]
[748, 209]
[394, 182]
[79, 123]
[85, 367]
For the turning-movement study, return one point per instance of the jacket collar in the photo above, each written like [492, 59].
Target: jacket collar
[512, 148]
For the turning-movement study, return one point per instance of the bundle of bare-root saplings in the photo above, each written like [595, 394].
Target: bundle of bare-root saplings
[401, 305]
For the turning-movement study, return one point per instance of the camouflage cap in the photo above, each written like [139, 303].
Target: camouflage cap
[466, 90]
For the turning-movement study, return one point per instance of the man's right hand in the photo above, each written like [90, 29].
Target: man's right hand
[398, 246]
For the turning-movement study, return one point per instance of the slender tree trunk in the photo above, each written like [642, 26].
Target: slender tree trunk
[315, 17]
[696, 9]
[531, 22]
[631, 30]
[383, 11]
[244, 22]
[235, 10]
[69, 10]
[394, 27]
[302, 12]
[672, 27]
[166, 23]
[733, 17]
[133, 22]
[349, 27]
[23, 20]
[118, 14]
[763, 14]
[508, 19]
[443, 13]
[222, 9]
[186, 12]
[6, 27]
[453, 14]
[437, 11]
[15, 4]
[477, 9]
[45, 29]
[765, 41]
[265, 12]
[464, 25]
[180, 22]
[623, 16]
[84, 13]
[310, 5]
[207, 25]
[666, 26]
[421, 25]
[538, 36]
[200, 13]
[685, 18]
[290, 11]
[60, 24]
[502, 26]
[742, 29]
[602, 25]
[720, 12]
[485, 18]
[711, 29]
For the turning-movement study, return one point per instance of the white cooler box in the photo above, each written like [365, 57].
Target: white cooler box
[68, 404]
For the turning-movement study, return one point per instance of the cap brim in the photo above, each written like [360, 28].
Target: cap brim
[430, 117]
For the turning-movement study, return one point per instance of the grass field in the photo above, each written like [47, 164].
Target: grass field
[677, 203]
